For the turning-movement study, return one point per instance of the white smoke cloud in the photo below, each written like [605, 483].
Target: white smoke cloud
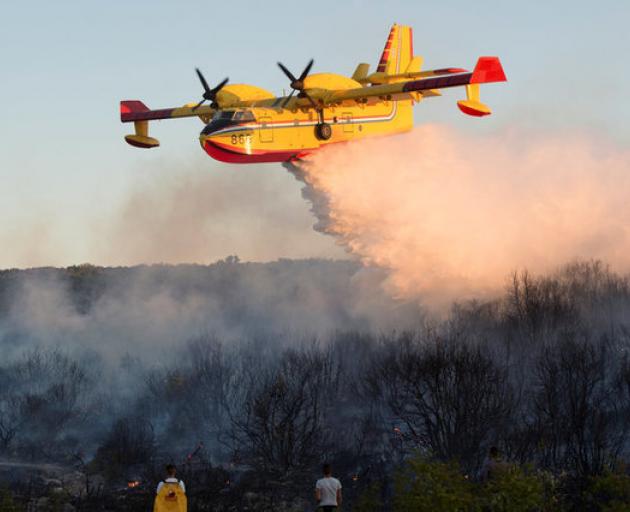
[151, 312]
[451, 216]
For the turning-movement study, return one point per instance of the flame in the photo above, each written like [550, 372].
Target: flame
[133, 483]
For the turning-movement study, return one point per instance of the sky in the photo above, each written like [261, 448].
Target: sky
[72, 191]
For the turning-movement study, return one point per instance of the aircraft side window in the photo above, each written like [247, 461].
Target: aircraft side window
[226, 114]
[223, 114]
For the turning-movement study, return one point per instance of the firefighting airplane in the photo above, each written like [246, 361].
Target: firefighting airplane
[247, 124]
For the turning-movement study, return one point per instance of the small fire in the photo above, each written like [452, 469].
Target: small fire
[397, 431]
[133, 483]
[355, 477]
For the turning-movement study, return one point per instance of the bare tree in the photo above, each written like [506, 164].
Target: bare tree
[10, 419]
[211, 378]
[45, 393]
[538, 305]
[130, 441]
[187, 401]
[450, 398]
[282, 424]
[582, 422]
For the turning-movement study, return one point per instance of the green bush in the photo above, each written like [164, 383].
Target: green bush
[422, 486]
[6, 502]
[610, 492]
[514, 490]
[370, 500]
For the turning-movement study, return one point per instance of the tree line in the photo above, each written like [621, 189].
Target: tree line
[541, 373]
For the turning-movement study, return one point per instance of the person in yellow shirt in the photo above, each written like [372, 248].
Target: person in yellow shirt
[170, 493]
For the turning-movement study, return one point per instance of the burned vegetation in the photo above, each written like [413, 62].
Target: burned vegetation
[248, 399]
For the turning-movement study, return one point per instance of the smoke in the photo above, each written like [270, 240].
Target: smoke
[147, 312]
[163, 210]
[195, 212]
[451, 216]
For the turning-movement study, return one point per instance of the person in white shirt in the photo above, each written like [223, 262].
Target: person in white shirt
[328, 491]
[170, 471]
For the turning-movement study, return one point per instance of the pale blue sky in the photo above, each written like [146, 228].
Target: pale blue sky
[66, 171]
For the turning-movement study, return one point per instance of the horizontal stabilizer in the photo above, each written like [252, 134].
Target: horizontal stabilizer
[361, 72]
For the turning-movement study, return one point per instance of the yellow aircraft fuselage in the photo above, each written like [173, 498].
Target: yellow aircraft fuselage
[266, 134]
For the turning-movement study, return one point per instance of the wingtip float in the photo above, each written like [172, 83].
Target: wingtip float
[247, 124]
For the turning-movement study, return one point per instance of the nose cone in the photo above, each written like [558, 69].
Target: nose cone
[216, 151]
[206, 144]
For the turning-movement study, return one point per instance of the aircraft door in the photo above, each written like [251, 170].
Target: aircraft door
[346, 121]
[265, 130]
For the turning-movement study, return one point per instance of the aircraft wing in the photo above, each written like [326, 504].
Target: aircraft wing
[135, 110]
[487, 70]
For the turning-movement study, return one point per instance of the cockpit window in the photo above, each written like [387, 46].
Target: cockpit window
[244, 116]
[226, 115]
[240, 116]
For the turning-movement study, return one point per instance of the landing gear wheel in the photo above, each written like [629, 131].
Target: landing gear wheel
[323, 131]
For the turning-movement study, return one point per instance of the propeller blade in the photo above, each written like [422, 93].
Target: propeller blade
[287, 72]
[203, 80]
[198, 104]
[284, 103]
[306, 70]
[308, 97]
[220, 86]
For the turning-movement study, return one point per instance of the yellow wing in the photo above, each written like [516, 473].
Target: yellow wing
[487, 70]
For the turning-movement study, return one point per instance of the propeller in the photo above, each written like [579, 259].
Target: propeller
[297, 84]
[209, 94]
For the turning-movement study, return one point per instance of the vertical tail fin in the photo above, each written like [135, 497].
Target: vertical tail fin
[398, 52]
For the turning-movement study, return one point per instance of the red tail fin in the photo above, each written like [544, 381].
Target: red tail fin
[488, 69]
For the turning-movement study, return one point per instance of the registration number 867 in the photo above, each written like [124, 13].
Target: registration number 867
[241, 139]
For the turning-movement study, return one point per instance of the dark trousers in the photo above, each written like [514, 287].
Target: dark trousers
[328, 508]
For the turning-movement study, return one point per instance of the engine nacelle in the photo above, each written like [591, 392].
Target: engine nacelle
[235, 93]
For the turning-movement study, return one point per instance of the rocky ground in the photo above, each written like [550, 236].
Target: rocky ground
[31, 487]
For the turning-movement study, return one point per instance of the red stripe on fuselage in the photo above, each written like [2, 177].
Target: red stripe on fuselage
[232, 157]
